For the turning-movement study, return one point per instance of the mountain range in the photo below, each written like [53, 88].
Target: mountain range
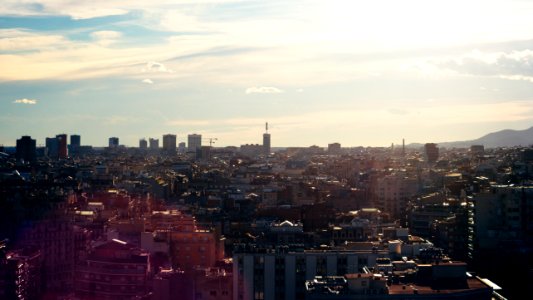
[503, 138]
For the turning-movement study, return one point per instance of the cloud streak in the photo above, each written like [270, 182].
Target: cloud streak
[25, 101]
[263, 90]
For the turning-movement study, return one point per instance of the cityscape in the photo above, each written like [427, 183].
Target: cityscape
[248, 222]
[266, 150]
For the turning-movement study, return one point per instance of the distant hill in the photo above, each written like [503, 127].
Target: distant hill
[503, 138]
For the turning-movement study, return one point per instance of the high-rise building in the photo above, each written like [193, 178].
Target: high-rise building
[194, 142]
[52, 148]
[334, 148]
[266, 141]
[143, 144]
[432, 152]
[113, 142]
[75, 144]
[75, 140]
[169, 143]
[62, 149]
[154, 143]
[26, 147]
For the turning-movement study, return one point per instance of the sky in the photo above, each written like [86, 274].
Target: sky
[361, 73]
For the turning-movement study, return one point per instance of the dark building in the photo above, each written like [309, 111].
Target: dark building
[143, 144]
[432, 152]
[169, 143]
[52, 149]
[26, 147]
[113, 142]
[266, 143]
[75, 143]
[75, 140]
[334, 148]
[20, 273]
[62, 145]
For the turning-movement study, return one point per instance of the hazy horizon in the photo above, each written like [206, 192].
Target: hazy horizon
[364, 74]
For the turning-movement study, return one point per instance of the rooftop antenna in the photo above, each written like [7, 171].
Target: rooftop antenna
[266, 126]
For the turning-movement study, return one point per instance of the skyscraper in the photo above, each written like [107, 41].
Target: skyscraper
[266, 141]
[62, 149]
[75, 141]
[26, 147]
[143, 144]
[432, 152]
[113, 142]
[169, 143]
[194, 142]
[154, 143]
[52, 147]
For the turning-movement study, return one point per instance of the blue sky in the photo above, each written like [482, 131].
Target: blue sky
[343, 71]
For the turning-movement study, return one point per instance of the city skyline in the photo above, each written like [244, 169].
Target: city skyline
[358, 74]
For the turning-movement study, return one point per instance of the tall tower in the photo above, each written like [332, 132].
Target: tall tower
[75, 140]
[194, 142]
[62, 145]
[403, 147]
[169, 143]
[52, 149]
[266, 140]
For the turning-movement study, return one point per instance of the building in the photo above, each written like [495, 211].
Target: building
[114, 270]
[194, 142]
[252, 150]
[182, 148]
[432, 152]
[426, 281]
[75, 144]
[52, 148]
[476, 150]
[393, 191]
[169, 143]
[26, 149]
[266, 143]
[113, 142]
[20, 273]
[62, 146]
[61, 245]
[143, 144]
[154, 144]
[75, 140]
[334, 148]
[280, 273]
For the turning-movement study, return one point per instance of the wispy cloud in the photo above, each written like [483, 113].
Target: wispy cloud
[25, 101]
[263, 90]
[106, 37]
[515, 65]
[148, 81]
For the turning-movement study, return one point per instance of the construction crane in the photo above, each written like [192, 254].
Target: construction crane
[211, 141]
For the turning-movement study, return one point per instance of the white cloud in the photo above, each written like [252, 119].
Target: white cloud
[153, 66]
[148, 81]
[263, 90]
[25, 101]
